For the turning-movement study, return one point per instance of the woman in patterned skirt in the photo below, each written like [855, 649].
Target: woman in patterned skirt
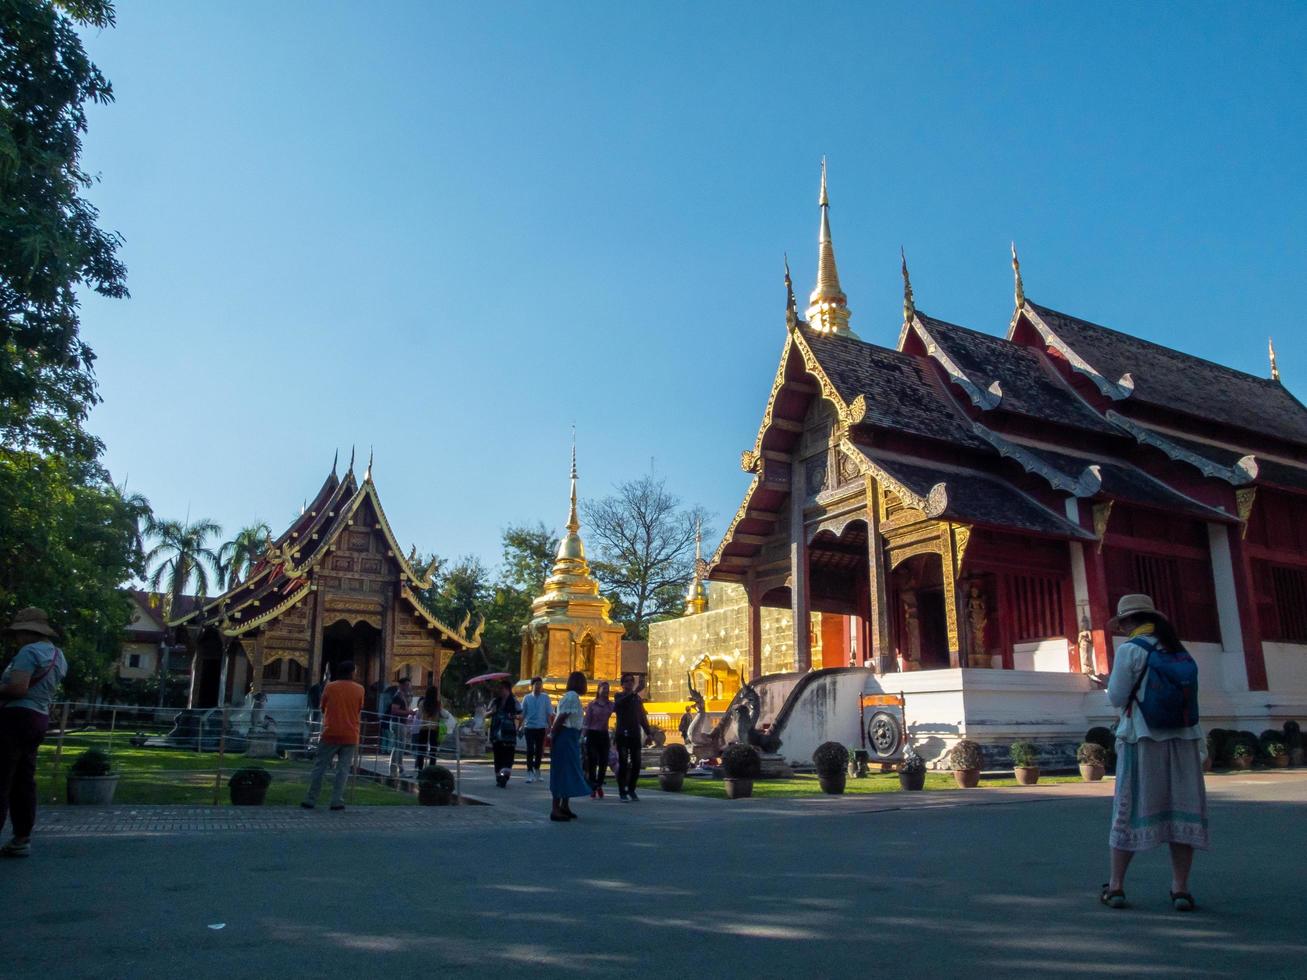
[1160, 797]
[566, 777]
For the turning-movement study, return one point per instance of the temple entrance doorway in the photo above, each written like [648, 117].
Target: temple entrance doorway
[921, 620]
[359, 642]
[208, 673]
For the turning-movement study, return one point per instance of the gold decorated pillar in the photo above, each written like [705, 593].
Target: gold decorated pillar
[882, 650]
[799, 568]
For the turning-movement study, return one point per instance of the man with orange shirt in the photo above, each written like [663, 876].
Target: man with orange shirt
[342, 702]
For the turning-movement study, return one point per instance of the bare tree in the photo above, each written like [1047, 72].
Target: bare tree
[643, 542]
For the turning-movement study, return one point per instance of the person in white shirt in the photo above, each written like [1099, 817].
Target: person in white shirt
[537, 714]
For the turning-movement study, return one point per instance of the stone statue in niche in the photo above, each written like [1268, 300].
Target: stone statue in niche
[910, 648]
[1085, 647]
[977, 620]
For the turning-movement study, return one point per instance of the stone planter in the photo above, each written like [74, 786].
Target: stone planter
[91, 790]
[832, 783]
[671, 782]
[1092, 774]
[1026, 775]
[967, 778]
[738, 789]
[913, 781]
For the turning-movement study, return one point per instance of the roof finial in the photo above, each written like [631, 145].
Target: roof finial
[573, 522]
[909, 307]
[791, 306]
[304, 506]
[335, 459]
[367, 474]
[696, 598]
[1016, 275]
[828, 310]
[1275, 368]
[351, 460]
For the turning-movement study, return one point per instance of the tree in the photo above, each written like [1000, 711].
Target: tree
[529, 554]
[182, 556]
[643, 540]
[237, 556]
[50, 245]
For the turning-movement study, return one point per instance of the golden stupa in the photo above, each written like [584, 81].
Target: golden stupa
[570, 628]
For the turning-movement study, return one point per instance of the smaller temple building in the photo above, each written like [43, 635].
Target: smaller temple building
[570, 627]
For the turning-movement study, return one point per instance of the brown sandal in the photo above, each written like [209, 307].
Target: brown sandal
[1112, 898]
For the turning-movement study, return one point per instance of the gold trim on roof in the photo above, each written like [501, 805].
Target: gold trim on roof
[459, 636]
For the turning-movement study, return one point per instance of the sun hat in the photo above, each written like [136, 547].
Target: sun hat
[1133, 605]
[31, 620]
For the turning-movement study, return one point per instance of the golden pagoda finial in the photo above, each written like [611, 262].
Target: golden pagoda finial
[828, 310]
[1275, 368]
[573, 522]
[909, 307]
[791, 305]
[1016, 275]
[696, 599]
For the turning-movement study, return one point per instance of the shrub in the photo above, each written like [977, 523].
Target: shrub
[965, 755]
[92, 762]
[1249, 741]
[1024, 755]
[912, 763]
[1292, 735]
[1275, 750]
[437, 776]
[1091, 754]
[740, 761]
[1270, 735]
[252, 777]
[831, 758]
[1242, 751]
[675, 758]
[1101, 736]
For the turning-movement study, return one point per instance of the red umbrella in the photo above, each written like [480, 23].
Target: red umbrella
[482, 678]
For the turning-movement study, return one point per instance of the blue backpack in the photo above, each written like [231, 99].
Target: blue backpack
[1171, 698]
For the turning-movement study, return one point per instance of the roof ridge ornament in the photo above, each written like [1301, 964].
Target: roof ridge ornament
[1018, 287]
[909, 306]
[1275, 368]
[828, 309]
[334, 460]
[791, 305]
[351, 460]
[367, 474]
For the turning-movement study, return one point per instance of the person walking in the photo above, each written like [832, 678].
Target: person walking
[427, 741]
[632, 731]
[566, 779]
[342, 704]
[1160, 796]
[597, 713]
[398, 714]
[504, 713]
[27, 687]
[537, 716]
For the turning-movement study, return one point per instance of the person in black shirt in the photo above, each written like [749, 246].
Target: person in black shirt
[631, 733]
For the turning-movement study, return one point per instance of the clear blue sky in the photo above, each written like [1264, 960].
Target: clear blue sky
[449, 230]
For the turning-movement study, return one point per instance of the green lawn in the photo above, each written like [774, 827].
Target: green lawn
[888, 782]
[175, 776]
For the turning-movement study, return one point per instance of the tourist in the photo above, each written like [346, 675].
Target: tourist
[397, 714]
[537, 716]
[631, 733]
[597, 713]
[430, 724]
[504, 713]
[686, 720]
[27, 686]
[342, 704]
[566, 778]
[1159, 797]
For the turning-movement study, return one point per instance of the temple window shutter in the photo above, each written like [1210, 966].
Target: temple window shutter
[1289, 594]
[1037, 607]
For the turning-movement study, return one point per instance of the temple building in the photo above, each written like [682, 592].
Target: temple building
[963, 511]
[333, 586]
[570, 627]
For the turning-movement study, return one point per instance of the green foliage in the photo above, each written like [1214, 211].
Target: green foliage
[965, 755]
[236, 557]
[1292, 735]
[1101, 736]
[252, 777]
[740, 761]
[528, 557]
[675, 758]
[181, 557]
[830, 758]
[911, 763]
[92, 762]
[437, 776]
[1274, 749]
[1242, 751]
[1024, 755]
[1091, 754]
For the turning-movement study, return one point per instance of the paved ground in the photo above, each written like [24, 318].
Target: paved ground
[995, 882]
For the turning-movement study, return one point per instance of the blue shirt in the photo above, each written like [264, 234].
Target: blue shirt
[537, 708]
[32, 659]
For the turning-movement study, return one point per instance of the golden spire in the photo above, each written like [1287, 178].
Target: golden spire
[1275, 368]
[828, 310]
[696, 598]
[1016, 275]
[791, 306]
[571, 572]
[909, 307]
[573, 522]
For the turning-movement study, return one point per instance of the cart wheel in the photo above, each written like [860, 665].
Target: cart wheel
[884, 734]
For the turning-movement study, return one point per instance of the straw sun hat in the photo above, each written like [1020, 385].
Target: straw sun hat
[31, 620]
[1134, 605]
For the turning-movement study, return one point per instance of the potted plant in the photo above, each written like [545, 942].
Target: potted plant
[741, 765]
[1104, 737]
[1092, 759]
[831, 760]
[1293, 742]
[1242, 756]
[912, 771]
[859, 764]
[965, 760]
[675, 761]
[435, 786]
[1276, 754]
[249, 786]
[1025, 762]
[91, 781]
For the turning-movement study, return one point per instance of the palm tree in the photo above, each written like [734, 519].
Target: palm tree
[139, 513]
[182, 554]
[237, 556]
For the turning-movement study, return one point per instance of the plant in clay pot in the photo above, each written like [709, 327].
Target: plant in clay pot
[741, 765]
[1025, 762]
[249, 786]
[1276, 754]
[91, 779]
[435, 786]
[966, 760]
[831, 760]
[675, 760]
[1092, 759]
[1242, 756]
[912, 771]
